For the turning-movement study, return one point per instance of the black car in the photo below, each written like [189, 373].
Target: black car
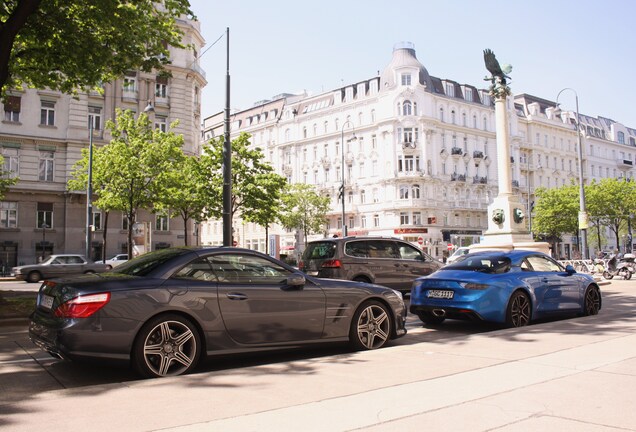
[164, 310]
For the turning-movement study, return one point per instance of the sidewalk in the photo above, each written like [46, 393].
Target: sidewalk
[569, 375]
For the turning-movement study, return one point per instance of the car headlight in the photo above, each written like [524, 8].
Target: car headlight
[474, 286]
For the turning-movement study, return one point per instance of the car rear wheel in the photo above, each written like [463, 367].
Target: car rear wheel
[34, 276]
[430, 319]
[518, 313]
[361, 279]
[167, 345]
[592, 303]
[371, 326]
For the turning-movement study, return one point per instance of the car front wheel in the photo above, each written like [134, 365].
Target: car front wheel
[167, 345]
[34, 277]
[518, 313]
[592, 301]
[371, 326]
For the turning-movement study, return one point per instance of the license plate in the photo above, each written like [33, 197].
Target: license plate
[312, 273]
[442, 294]
[46, 301]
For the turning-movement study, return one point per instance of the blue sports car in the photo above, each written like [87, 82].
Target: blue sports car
[509, 287]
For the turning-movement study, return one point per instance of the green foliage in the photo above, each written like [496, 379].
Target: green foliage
[556, 211]
[68, 45]
[5, 180]
[256, 188]
[134, 170]
[304, 209]
[610, 202]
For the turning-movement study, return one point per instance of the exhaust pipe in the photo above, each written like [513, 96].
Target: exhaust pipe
[439, 313]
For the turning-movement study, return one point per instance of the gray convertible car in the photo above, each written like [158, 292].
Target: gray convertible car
[165, 310]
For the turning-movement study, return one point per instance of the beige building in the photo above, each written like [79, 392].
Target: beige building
[422, 166]
[42, 134]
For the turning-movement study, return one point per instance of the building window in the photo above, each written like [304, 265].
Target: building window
[124, 222]
[130, 82]
[46, 166]
[12, 108]
[407, 108]
[11, 164]
[363, 196]
[404, 192]
[351, 222]
[415, 191]
[161, 123]
[376, 220]
[350, 197]
[161, 223]
[8, 214]
[417, 218]
[469, 94]
[97, 220]
[453, 117]
[161, 87]
[404, 218]
[406, 79]
[47, 113]
[441, 115]
[363, 221]
[44, 217]
[95, 117]
[621, 138]
[450, 90]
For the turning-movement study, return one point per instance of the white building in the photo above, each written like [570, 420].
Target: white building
[421, 167]
[42, 134]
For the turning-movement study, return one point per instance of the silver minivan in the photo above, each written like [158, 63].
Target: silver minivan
[386, 261]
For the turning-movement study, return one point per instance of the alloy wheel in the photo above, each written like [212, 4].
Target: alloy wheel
[373, 326]
[170, 348]
[592, 301]
[519, 310]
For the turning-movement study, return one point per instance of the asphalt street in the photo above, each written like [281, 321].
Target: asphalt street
[574, 374]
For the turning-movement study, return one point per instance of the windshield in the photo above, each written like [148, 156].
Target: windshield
[144, 264]
[482, 263]
[320, 250]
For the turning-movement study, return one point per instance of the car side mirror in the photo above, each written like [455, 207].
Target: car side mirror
[296, 280]
[569, 269]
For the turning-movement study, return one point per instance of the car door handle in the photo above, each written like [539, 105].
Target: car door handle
[236, 296]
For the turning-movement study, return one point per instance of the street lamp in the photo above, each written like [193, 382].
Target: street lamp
[582, 210]
[89, 188]
[44, 227]
[342, 187]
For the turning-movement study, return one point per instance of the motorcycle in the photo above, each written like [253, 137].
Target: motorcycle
[615, 268]
[629, 260]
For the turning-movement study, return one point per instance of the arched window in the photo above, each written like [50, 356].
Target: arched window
[415, 190]
[414, 108]
[475, 121]
[363, 196]
[407, 108]
[485, 123]
[621, 138]
[441, 115]
[464, 119]
[453, 117]
[372, 116]
[337, 124]
[304, 132]
[404, 192]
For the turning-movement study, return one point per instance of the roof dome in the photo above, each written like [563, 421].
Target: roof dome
[404, 57]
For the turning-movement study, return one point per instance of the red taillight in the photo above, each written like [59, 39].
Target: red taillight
[333, 263]
[82, 306]
[301, 265]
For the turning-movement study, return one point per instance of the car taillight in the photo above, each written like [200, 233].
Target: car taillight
[82, 306]
[301, 265]
[333, 263]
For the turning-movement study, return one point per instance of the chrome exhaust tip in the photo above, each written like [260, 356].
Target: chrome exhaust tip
[439, 313]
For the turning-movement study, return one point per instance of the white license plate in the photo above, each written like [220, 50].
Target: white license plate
[46, 301]
[442, 294]
[312, 273]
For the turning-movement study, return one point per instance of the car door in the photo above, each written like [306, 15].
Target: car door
[257, 305]
[412, 264]
[554, 288]
[383, 262]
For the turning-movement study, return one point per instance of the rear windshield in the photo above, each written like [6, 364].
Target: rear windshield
[481, 263]
[320, 250]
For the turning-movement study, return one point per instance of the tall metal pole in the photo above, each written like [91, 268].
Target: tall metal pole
[89, 190]
[583, 223]
[342, 187]
[227, 158]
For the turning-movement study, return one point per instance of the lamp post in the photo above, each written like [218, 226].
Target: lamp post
[582, 209]
[342, 187]
[89, 188]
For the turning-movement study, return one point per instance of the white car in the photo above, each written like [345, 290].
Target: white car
[116, 260]
[460, 252]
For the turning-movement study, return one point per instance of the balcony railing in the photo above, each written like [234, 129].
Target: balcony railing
[480, 180]
[456, 151]
[624, 163]
[458, 177]
[515, 183]
[478, 154]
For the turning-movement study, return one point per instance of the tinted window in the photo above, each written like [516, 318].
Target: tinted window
[543, 264]
[382, 249]
[481, 263]
[320, 250]
[199, 269]
[247, 269]
[357, 249]
[144, 264]
[409, 252]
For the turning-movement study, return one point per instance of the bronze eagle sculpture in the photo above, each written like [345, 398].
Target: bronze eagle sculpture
[495, 70]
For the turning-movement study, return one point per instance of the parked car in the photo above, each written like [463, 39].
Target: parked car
[513, 288]
[459, 252]
[116, 260]
[386, 261]
[166, 309]
[56, 266]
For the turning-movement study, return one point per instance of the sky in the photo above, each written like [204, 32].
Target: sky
[284, 46]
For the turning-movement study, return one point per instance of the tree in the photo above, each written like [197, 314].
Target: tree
[68, 45]
[556, 212]
[185, 192]
[5, 178]
[132, 170]
[255, 186]
[304, 209]
[611, 201]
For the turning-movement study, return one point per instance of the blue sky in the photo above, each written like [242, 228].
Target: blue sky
[283, 46]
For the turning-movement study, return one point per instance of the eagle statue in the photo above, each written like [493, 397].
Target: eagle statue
[495, 70]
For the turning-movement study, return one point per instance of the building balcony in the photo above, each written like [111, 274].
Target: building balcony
[456, 151]
[478, 154]
[409, 144]
[325, 161]
[515, 183]
[458, 177]
[624, 164]
[480, 180]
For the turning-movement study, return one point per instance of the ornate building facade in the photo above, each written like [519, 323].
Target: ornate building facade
[42, 134]
[417, 155]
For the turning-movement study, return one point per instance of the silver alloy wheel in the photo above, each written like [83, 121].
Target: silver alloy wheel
[373, 326]
[170, 348]
[519, 310]
[592, 301]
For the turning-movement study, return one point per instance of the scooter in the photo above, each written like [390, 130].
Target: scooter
[612, 268]
[629, 260]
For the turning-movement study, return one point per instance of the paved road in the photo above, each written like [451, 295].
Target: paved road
[576, 374]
